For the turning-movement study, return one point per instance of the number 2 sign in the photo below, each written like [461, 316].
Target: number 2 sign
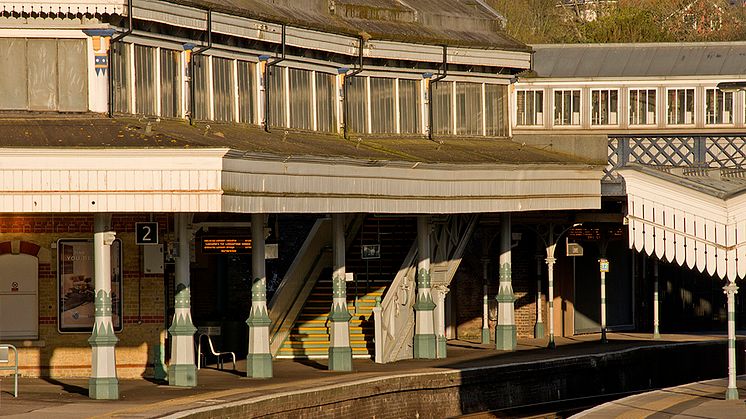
[146, 233]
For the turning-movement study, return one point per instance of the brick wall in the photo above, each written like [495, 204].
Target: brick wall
[69, 355]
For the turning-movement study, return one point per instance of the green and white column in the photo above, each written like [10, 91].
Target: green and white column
[103, 384]
[182, 372]
[656, 319]
[340, 352]
[441, 347]
[601, 262]
[258, 359]
[731, 290]
[424, 335]
[539, 326]
[485, 302]
[505, 331]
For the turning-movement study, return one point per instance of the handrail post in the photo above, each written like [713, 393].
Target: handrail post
[378, 331]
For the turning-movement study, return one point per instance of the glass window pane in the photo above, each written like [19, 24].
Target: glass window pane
[14, 74]
[357, 104]
[442, 107]
[73, 59]
[326, 111]
[409, 106]
[170, 83]
[469, 109]
[382, 105]
[222, 88]
[144, 80]
[201, 93]
[42, 74]
[301, 99]
[246, 92]
[496, 112]
[276, 90]
[120, 68]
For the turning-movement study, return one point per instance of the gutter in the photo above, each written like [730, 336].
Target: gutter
[345, 110]
[266, 80]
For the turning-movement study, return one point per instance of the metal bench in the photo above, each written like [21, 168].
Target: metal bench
[207, 332]
[4, 359]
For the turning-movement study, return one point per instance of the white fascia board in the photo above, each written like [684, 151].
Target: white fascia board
[275, 186]
[189, 17]
[73, 7]
[536, 82]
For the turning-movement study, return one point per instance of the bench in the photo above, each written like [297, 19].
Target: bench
[206, 333]
[4, 359]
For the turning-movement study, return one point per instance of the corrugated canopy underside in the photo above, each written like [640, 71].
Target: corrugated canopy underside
[452, 22]
[640, 60]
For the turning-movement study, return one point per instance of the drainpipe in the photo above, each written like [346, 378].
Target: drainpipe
[266, 80]
[111, 47]
[430, 92]
[345, 107]
[192, 101]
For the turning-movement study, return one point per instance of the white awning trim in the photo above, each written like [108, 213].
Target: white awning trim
[74, 7]
[686, 226]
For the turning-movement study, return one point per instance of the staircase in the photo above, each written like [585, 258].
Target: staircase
[309, 336]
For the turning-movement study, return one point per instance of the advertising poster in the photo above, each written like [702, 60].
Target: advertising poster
[76, 287]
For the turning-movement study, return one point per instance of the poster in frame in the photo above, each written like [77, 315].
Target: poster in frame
[75, 285]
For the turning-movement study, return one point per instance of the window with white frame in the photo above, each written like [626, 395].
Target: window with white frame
[409, 106]
[718, 107]
[326, 112]
[276, 88]
[680, 106]
[145, 97]
[246, 92]
[301, 99]
[567, 107]
[469, 112]
[642, 106]
[357, 104]
[170, 83]
[604, 107]
[442, 122]
[530, 107]
[496, 109]
[382, 105]
[222, 89]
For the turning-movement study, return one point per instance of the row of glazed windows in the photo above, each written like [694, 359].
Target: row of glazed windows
[228, 90]
[641, 110]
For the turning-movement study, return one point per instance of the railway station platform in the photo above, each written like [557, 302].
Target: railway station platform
[474, 378]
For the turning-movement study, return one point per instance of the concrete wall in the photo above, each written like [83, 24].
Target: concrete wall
[592, 147]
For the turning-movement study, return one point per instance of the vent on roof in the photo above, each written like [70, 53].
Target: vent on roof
[384, 10]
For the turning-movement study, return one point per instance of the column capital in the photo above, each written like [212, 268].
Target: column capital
[731, 288]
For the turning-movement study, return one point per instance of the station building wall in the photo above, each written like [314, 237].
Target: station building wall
[56, 354]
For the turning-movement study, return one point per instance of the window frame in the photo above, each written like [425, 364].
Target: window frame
[579, 109]
[655, 108]
[732, 95]
[694, 107]
[599, 90]
[536, 111]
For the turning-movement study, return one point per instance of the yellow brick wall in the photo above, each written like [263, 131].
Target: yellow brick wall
[60, 355]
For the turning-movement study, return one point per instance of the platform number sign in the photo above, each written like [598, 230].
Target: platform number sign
[603, 265]
[146, 233]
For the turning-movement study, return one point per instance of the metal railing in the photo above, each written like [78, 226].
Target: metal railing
[4, 359]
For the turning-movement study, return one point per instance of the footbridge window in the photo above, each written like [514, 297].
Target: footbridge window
[170, 79]
[642, 106]
[145, 103]
[383, 105]
[680, 107]
[567, 107]
[604, 107]
[409, 107]
[301, 100]
[530, 107]
[496, 110]
[718, 107]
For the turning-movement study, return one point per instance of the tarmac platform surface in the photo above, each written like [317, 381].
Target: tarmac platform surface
[144, 398]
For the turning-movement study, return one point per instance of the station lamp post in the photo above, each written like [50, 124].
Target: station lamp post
[731, 288]
[550, 243]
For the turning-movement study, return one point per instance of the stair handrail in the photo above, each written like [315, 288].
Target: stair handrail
[396, 308]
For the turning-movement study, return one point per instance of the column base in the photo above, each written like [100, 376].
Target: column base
[182, 375]
[442, 347]
[539, 331]
[656, 335]
[259, 365]
[505, 337]
[103, 388]
[340, 358]
[485, 336]
[731, 394]
[159, 368]
[424, 346]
